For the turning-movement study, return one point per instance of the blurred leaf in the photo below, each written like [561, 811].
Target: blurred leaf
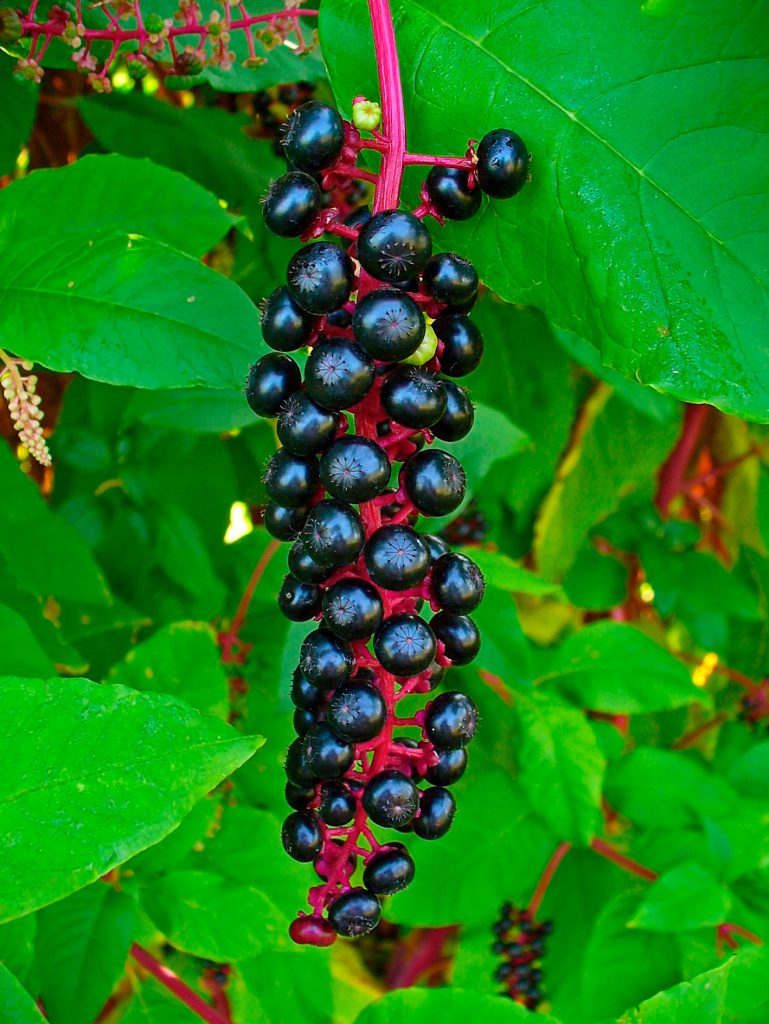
[561, 765]
[449, 1005]
[615, 450]
[152, 1003]
[18, 105]
[685, 897]
[288, 986]
[97, 774]
[612, 667]
[17, 944]
[18, 1005]
[20, 652]
[596, 581]
[183, 660]
[502, 573]
[81, 948]
[197, 410]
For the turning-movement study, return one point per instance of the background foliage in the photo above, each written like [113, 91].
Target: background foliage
[622, 632]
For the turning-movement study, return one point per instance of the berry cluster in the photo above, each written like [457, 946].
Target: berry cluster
[385, 321]
[468, 528]
[521, 943]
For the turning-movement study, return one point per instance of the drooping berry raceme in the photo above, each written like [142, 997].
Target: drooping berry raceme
[520, 943]
[387, 329]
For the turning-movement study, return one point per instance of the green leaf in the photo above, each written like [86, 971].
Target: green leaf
[614, 452]
[596, 581]
[152, 1003]
[502, 573]
[120, 308]
[181, 659]
[18, 104]
[18, 1005]
[276, 987]
[449, 1005]
[209, 145]
[686, 897]
[183, 555]
[615, 668]
[561, 765]
[17, 944]
[98, 773]
[622, 965]
[98, 195]
[215, 917]
[20, 652]
[81, 948]
[724, 995]
[194, 410]
[750, 773]
[612, 188]
[50, 559]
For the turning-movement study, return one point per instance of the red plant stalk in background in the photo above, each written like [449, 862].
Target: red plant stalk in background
[183, 45]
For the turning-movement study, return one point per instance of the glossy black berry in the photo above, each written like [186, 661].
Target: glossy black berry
[391, 799]
[355, 469]
[299, 797]
[388, 324]
[434, 481]
[314, 136]
[414, 397]
[338, 373]
[320, 277]
[354, 913]
[290, 479]
[451, 720]
[503, 163]
[297, 767]
[284, 523]
[436, 813]
[305, 694]
[462, 344]
[394, 246]
[325, 659]
[299, 601]
[304, 567]
[304, 427]
[352, 608]
[457, 583]
[450, 279]
[285, 326]
[292, 204]
[333, 533]
[437, 546]
[327, 755]
[437, 672]
[396, 557]
[304, 720]
[302, 836]
[404, 645]
[459, 635]
[271, 381]
[450, 193]
[457, 421]
[357, 218]
[357, 712]
[450, 767]
[337, 803]
[390, 870]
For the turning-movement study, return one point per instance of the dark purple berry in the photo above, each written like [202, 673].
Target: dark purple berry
[457, 421]
[299, 797]
[436, 813]
[391, 799]
[450, 193]
[396, 557]
[503, 163]
[282, 522]
[450, 767]
[390, 870]
[394, 246]
[271, 381]
[297, 767]
[291, 204]
[291, 480]
[338, 373]
[304, 427]
[304, 720]
[435, 482]
[462, 344]
[388, 324]
[357, 712]
[404, 645]
[285, 326]
[314, 136]
[326, 660]
[302, 836]
[354, 913]
[352, 608]
[451, 720]
[299, 601]
[333, 533]
[320, 277]
[457, 583]
[355, 469]
[414, 397]
[305, 694]
[327, 756]
[337, 803]
[304, 567]
[459, 635]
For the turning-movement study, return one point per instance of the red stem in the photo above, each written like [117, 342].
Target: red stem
[464, 163]
[417, 955]
[547, 877]
[671, 478]
[604, 850]
[248, 593]
[176, 986]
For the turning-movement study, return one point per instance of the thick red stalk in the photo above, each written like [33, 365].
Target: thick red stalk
[176, 986]
[671, 478]
[626, 863]
[417, 955]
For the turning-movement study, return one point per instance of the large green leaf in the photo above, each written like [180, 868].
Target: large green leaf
[18, 103]
[81, 948]
[686, 897]
[615, 668]
[449, 1006]
[96, 774]
[561, 765]
[645, 235]
[20, 651]
[16, 1002]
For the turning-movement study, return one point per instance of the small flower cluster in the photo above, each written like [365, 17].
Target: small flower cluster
[521, 943]
[183, 45]
[24, 407]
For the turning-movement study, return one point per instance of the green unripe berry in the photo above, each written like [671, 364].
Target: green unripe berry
[426, 350]
[366, 115]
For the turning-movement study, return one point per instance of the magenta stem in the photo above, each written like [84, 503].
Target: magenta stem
[464, 163]
[176, 986]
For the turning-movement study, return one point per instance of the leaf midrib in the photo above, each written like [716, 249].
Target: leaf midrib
[593, 133]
